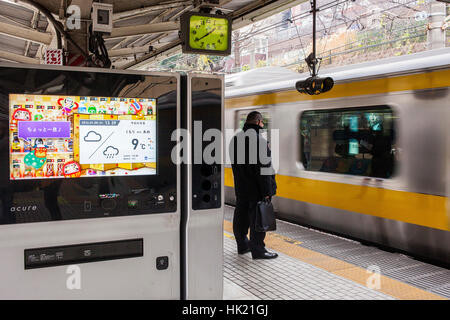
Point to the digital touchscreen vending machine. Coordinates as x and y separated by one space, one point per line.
90 198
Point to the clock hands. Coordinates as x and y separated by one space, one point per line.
198 39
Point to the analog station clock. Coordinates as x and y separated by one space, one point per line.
206 33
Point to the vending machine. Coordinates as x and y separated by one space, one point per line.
90 197
203 188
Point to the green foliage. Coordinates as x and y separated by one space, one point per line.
387 32
171 62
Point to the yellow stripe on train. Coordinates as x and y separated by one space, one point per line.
436 79
421 209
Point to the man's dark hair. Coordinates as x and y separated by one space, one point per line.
254 117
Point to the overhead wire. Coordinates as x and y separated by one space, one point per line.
298 35
306 14
331 26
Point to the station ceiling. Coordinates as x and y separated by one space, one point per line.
25 30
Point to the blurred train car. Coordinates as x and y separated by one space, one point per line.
370 159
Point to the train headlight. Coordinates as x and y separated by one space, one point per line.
314 85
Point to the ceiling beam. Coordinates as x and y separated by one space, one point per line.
178 14
34 22
17 57
144 29
23 24
158 18
137 38
224 2
143 60
25 33
143 11
128 51
121 42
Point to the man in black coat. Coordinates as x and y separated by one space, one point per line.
254 180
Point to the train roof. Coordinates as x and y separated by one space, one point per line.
270 79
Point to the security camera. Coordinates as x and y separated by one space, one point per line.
314 85
102 17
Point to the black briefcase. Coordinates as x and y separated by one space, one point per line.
265 217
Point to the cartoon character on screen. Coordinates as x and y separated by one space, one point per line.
37 157
38 116
112 109
102 109
72 170
38 142
68 105
135 108
20 114
92 110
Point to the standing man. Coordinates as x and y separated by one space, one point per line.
254 180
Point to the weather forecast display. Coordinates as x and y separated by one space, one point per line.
73 136
113 141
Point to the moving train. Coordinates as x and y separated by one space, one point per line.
369 159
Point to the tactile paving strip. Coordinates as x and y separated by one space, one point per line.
397 266
287 278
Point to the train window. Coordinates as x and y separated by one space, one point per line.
242 116
356 141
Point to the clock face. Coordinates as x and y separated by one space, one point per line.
208 33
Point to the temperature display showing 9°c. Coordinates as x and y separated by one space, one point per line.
142 146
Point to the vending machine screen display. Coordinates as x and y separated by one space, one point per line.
82 143
55 136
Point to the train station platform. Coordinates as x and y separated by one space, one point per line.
314 265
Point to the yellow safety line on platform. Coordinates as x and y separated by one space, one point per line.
394 288
284 238
226 234
421 209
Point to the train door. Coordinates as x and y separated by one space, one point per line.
89 194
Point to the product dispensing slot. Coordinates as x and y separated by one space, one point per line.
83 253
